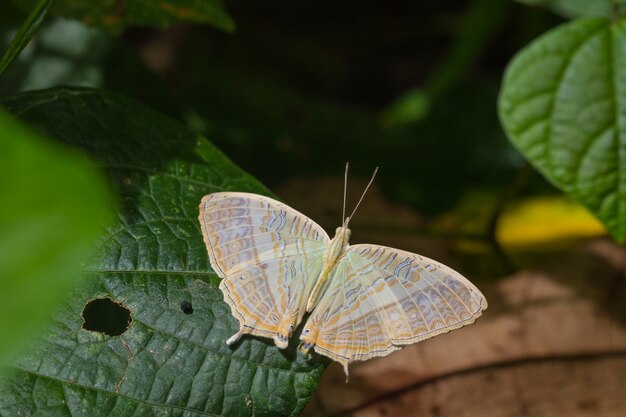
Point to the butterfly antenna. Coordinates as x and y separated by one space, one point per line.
365 191
345 187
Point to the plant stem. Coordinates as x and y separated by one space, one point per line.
28 29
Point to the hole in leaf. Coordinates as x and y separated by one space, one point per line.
106 316
186 307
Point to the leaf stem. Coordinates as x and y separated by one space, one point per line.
28 29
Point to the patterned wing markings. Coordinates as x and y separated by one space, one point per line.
374 299
389 298
348 322
237 227
269 256
269 300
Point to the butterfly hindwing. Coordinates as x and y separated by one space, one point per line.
381 298
268 256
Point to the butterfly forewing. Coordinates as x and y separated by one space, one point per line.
268 255
384 298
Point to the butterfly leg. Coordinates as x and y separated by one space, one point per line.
243 330
235 337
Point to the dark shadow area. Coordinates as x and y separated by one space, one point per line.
596 271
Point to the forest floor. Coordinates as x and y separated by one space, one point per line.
552 343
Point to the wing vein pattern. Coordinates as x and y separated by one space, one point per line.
390 298
268 256
369 300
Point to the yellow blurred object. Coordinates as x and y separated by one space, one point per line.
539 220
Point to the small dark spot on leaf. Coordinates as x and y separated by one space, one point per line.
106 316
186 307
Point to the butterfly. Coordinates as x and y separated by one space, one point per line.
364 300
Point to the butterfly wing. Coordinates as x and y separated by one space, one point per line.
382 298
269 256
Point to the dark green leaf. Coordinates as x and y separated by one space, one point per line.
25 33
116 15
152 259
563 105
575 8
53 207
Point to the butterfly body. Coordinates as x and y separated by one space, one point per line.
336 250
364 300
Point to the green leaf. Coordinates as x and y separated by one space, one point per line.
411 107
25 33
575 8
152 259
116 15
53 207
563 105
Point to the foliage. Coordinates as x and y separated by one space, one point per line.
54 204
26 32
562 104
150 260
575 8
115 15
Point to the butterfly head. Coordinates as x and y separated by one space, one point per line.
343 230
341 239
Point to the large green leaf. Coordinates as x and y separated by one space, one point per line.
119 14
152 259
54 203
563 105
